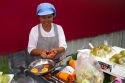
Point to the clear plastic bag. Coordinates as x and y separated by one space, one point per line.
88 70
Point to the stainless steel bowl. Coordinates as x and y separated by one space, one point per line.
40 63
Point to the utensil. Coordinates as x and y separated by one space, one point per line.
39 64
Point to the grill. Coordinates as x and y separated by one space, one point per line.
52 79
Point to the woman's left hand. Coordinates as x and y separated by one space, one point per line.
44 53
52 54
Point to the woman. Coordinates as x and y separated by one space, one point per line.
47 40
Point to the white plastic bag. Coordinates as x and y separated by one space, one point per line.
88 69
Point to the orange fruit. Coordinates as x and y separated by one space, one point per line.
72 63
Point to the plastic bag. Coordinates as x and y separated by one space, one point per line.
88 70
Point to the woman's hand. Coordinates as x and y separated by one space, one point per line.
49 54
52 53
54 50
44 53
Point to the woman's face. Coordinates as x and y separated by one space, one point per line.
46 19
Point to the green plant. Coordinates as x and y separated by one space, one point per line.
4 65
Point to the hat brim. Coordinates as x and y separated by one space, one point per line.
45 13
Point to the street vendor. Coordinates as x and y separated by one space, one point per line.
47 39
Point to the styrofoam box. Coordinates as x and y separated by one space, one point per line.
116 70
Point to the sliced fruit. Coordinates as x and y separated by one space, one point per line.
34 70
44 70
